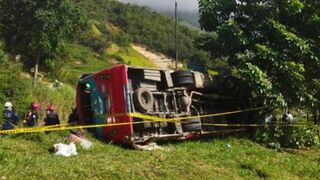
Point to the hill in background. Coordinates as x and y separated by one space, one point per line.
188 10
113 28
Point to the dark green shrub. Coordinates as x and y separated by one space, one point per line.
3 57
289 136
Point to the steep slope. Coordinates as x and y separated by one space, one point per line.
160 60
139 25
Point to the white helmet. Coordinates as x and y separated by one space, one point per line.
8 104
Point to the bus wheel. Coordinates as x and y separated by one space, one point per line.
182 78
143 99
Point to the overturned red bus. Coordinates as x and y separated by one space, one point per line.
123 89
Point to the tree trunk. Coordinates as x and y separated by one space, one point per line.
35 77
315 115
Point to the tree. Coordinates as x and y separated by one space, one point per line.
36 30
274 45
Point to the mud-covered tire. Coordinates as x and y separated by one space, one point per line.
192 125
182 78
143 99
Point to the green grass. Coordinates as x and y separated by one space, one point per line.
80 60
83 60
132 57
27 157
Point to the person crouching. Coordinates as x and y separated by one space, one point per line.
32 116
52 117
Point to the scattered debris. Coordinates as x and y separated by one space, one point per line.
79 137
274 145
229 147
148 147
65 150
56 85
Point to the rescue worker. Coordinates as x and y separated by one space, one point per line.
32 116
10 116
73 117
51 117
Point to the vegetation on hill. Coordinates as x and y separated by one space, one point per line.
37 30
110 23
142 26
189 17
16 87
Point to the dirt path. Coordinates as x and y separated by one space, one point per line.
160 60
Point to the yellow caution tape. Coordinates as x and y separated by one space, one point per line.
144 116
258 125
61 127
45 129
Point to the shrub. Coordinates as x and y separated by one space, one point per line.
3 57
289 137
14 87
63 98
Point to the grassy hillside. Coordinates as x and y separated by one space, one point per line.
27 156
82 59
141 25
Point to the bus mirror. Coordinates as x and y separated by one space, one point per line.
87 87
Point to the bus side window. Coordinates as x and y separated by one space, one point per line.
106 101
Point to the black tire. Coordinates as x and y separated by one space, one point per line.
143 99
192 125
183 78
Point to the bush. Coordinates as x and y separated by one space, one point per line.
289 137
121 39
3 57
14 87
63 98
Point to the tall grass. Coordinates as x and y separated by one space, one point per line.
62 97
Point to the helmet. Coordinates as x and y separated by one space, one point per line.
8 104
35 105
51 107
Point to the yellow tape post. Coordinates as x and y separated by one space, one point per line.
136 115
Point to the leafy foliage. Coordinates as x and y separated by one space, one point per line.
14 87
3 56
274 45
293 137
37 29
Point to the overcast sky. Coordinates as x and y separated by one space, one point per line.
167 5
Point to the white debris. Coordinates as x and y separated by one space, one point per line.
148 147
65 150
85 144
229 147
